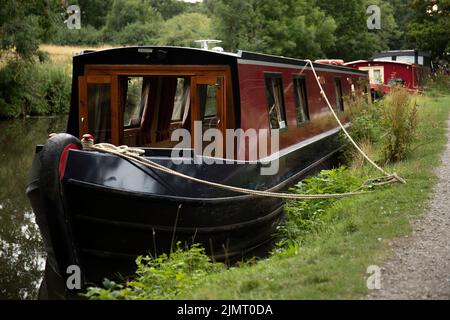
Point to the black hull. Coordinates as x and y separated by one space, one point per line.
107 211
118 226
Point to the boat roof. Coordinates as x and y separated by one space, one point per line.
410 52
378 62
172 55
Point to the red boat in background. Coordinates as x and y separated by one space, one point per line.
408 68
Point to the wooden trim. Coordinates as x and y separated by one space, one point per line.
115 111
220 101
159 70
97 79
82 106
112 73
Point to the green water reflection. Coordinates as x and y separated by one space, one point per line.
21 250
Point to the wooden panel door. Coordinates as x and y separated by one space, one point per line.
99 108
208 105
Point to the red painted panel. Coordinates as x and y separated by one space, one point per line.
254 109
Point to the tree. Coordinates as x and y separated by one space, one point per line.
93 12
169 8
403 15
295 28
132 22
353 39
184 29
24 24
430 28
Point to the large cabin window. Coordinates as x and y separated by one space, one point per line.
339 97
143 106
275 101
99 111
154 106
301 101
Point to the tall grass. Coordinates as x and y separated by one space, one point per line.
399 120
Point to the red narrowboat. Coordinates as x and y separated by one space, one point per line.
100 211
408 68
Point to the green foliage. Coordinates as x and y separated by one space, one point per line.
306 216
27 89
294 28
353 39
162 277
24 25
184 29
428 29
93 12
365 120
169 8
132 22
437 84
399 118
135 34
87 35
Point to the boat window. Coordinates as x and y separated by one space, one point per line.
339 98
208 105
275 101
301 106
136 95
182 100
99 111
377 76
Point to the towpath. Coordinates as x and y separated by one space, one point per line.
420 265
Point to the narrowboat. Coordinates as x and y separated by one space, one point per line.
99 211
407 68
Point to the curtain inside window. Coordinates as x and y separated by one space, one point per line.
168 89
99 111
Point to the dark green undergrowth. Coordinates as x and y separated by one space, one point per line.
28 88
326 245
161 277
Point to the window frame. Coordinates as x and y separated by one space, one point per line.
339 106
295 79
141 110
278 76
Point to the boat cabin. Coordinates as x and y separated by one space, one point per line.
139 95
408 68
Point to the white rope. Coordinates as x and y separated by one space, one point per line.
393 175
132 154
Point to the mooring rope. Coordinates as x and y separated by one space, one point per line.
391 177
135 155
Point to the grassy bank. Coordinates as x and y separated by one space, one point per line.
328 245
331 262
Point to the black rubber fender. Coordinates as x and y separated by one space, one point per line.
51 153
52 198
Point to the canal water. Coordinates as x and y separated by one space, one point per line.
22 256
